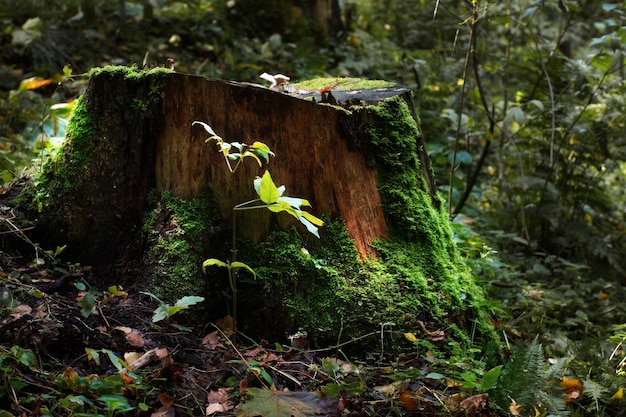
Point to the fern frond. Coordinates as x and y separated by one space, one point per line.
530 381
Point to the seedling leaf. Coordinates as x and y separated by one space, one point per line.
206 127
244 266
267 190
213 261
189 300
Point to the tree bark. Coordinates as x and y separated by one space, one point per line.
143 138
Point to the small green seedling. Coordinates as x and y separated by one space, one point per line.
165 311
270 197
236 151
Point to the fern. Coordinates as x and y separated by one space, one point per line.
530 382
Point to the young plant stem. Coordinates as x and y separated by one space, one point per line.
232 275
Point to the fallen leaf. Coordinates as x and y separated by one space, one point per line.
573 389
476 405
618 395
514 409
165 399
410 337
212 341
409 400
252 353
273 403
133 336
164 412
226 324
20 311
218 401
130 357
213 408
161 353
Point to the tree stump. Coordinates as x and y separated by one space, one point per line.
354 151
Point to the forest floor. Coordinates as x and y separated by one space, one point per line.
70 349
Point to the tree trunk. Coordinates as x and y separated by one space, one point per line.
143 138
136 180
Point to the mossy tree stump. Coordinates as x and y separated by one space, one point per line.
354 151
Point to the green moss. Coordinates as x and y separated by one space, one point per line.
418 277
179 237
64 170
342 84
131 73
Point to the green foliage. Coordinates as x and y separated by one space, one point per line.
528 381
32 124
166 311
235 151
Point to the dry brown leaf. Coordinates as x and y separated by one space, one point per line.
212 341
254 352
164 412
165 399
409 400
271 357
20 311
218 401
130 357
476 405
433 336
573 389
213 408
219 396
161 352
226 324
514 409
453 402
133 336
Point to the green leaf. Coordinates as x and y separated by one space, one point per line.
161 313
87 304
490 378
67 71
116 361
213 261
117 403
206 127
332 390
273 403
244 266
93 355
189 300
171 310
24 356
316 221
262 150
267 190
